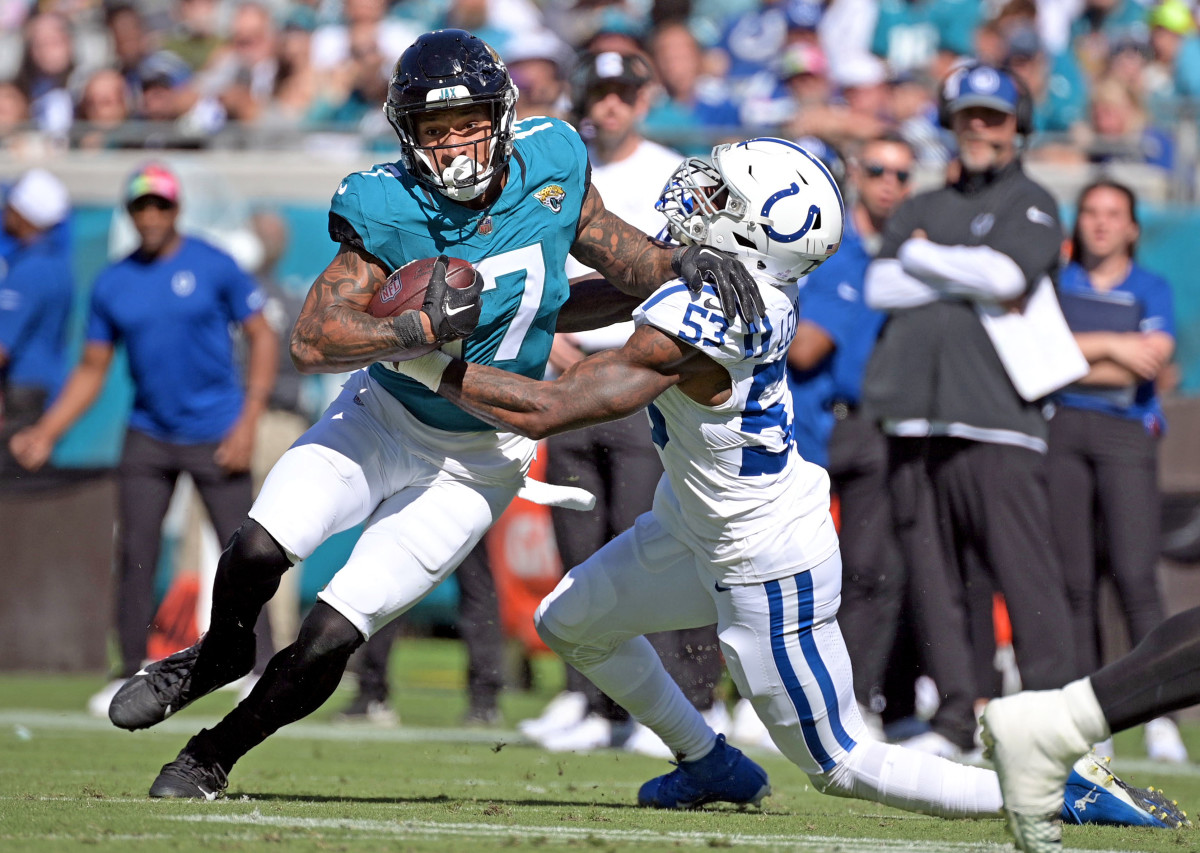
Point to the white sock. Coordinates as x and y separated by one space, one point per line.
915 781
634 677
1085 710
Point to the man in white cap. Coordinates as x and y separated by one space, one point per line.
36 288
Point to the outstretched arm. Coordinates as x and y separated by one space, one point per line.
637 264
603 387
593 303
333 333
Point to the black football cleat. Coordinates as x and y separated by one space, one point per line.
165 687
190 777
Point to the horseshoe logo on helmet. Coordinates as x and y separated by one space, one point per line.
813 213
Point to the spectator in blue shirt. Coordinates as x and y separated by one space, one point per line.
171 304
834 339
36 289
1103 448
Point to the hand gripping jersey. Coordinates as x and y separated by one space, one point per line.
735 488
519 245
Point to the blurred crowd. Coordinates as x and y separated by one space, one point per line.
1110 78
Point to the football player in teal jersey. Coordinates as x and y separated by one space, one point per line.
513 199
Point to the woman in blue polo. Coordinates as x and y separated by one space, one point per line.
1103 452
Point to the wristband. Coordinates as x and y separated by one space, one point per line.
426 369
409 331
677 260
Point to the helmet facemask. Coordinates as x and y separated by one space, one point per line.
466 178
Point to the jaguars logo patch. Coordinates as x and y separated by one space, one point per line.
551 196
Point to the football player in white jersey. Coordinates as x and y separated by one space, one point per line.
740 533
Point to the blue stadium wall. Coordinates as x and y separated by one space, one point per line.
1168 238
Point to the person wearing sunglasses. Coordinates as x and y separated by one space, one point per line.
170 304
965 431
834 338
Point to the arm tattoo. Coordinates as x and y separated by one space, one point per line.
334 333
633 261
602 387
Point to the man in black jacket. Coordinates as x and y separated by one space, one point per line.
966 450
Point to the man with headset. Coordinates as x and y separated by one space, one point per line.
966 451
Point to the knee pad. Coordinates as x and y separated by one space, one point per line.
572 612
253 550
326 634
575 648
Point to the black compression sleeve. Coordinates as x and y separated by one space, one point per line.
1160 675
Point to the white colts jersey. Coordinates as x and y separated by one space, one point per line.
735 489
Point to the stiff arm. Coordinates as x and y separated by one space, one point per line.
606 386
632 260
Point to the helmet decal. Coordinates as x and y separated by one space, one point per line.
813 213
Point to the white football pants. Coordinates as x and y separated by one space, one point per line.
784 651
427 497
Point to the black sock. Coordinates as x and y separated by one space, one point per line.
297 681
248 575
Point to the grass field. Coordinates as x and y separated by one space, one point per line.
72 782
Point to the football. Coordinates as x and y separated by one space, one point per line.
405 289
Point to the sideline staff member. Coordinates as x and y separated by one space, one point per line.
170 304
36 289
966 451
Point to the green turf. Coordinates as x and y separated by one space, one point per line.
69 782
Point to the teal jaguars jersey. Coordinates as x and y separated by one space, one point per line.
519 246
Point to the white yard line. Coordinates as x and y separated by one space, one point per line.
33 719
573 835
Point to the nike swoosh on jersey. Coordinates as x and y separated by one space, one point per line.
341 190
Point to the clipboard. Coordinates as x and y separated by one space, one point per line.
1036 345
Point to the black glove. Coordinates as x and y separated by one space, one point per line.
453 311
735 287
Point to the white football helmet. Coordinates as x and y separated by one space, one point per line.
765 200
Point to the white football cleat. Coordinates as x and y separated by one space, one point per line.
644 741
98 702
1033 743
718 718
591 733
566 709
747 728
1163 742
932 743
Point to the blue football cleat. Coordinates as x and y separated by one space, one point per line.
725 775
1094 795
